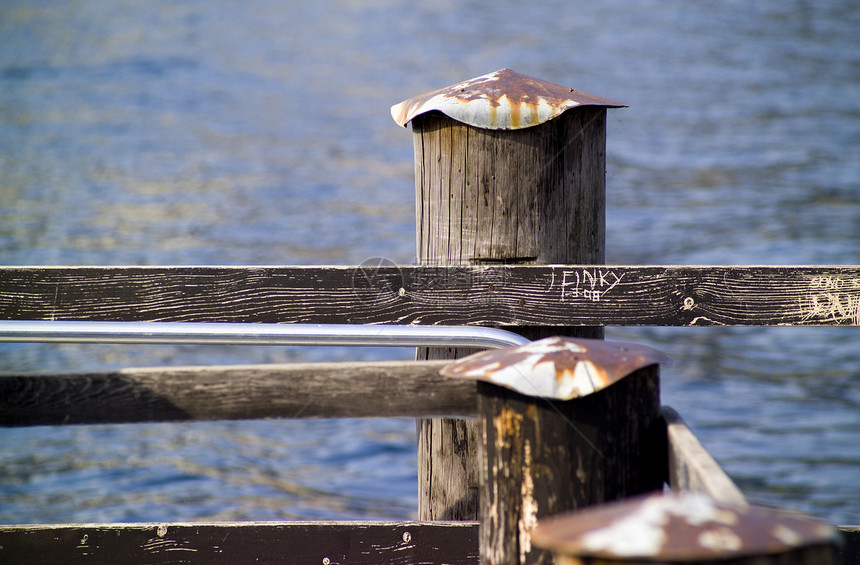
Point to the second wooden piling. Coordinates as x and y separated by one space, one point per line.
564 424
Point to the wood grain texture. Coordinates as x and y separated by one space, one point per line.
539 458
298 543
446 231
504 295
691 467
534 195
448 477
388 389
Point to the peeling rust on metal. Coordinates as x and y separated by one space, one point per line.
557 367
500 100
679 526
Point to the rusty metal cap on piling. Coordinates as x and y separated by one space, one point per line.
678 527
500 100
557 367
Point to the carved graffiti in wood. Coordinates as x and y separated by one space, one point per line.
588 284
833 298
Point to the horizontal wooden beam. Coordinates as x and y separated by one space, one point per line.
300 543
691 467
170 394
332 543
506 295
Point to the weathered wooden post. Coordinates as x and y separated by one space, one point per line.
508 170
686 528
564 424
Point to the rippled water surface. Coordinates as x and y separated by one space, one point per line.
153 133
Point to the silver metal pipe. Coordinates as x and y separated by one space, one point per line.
256 334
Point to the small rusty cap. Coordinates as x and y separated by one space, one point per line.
557 367
679 526
500 100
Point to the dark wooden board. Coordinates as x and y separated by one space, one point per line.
850 550
387 389
317 543
566 295
261 543
692 467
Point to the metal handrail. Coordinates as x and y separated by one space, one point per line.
232 333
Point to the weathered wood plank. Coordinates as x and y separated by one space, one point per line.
691 467
170 394
319 543
561 295
249 542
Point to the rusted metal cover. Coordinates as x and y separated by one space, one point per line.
679 526
501 100
557 367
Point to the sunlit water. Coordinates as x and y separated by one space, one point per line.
148 133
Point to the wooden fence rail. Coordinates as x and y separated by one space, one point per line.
333 543
387 389
299 543
508 295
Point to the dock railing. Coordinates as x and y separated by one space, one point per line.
510 228
558 295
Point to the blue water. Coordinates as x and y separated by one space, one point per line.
154 133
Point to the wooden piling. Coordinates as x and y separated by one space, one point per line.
500 192
564 424
545 457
